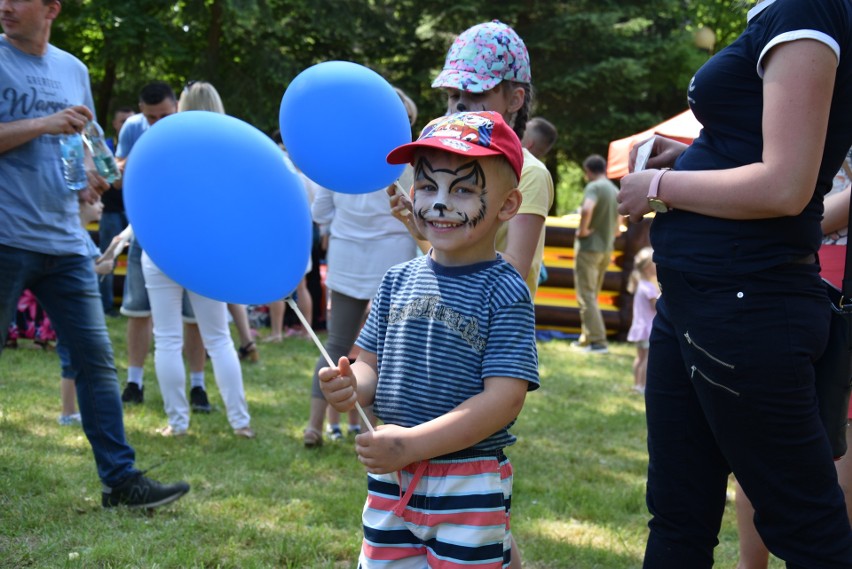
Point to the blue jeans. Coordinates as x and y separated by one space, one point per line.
67 289
731 388
65 368
110 225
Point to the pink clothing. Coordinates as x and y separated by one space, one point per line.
644 311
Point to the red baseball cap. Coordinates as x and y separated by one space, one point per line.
481 133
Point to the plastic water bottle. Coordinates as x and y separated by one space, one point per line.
101 154
73 165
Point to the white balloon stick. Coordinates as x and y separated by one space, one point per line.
306 326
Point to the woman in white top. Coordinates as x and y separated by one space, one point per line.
212 315
365 240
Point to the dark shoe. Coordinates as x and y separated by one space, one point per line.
334 433
249 352
198 400
141 492
133 394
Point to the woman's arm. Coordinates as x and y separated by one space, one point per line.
521 241
322 208
797 88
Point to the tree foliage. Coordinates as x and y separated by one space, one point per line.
601 69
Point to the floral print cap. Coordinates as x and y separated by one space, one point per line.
483 56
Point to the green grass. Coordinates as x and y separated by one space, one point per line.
579 473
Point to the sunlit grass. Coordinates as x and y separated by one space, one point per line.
580 468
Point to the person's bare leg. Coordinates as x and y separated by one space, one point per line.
355 422
304 302
313 433
139 334
68 393
516 555
248 349
753 553
276 321
193 348
241 322
333 416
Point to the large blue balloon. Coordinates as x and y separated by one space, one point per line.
339 120
214 205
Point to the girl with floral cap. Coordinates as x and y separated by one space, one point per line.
488 69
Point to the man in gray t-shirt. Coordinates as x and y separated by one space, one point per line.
593 247
43 248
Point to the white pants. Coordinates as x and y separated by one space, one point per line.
165 297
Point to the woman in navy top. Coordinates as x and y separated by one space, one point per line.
743 314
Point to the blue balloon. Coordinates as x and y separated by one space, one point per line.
339 120
215 206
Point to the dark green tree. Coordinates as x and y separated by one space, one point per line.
602 70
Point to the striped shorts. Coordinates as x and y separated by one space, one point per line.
449 512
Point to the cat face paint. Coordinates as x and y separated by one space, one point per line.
447 197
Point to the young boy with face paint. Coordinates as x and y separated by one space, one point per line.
447 356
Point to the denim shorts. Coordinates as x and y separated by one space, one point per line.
134 302
68 371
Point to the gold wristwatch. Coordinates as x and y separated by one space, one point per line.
655 203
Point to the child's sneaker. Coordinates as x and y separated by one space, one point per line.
198 400
70 420
133 394
354 430
334 432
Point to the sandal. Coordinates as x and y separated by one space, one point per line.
249 352
312 438
245 432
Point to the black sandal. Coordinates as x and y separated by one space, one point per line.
249 352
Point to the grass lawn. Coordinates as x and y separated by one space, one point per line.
579 473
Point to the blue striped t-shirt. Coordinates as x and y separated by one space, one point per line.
439 332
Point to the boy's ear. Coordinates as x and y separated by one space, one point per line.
511 205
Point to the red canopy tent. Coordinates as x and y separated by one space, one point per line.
683 127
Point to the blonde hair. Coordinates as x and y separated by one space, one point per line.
643 258
410 107
200 96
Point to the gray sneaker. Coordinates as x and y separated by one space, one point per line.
70 420
137 491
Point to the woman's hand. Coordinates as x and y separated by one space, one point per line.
401 208
664 152
633 195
